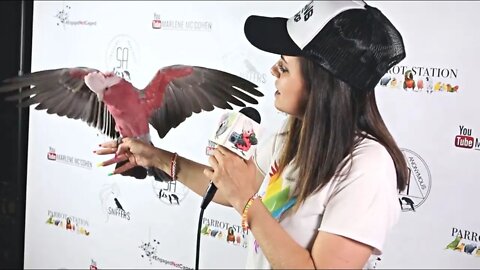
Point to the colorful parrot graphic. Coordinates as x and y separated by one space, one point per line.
454 243
384 81
244 140
118 109
469 248
409 83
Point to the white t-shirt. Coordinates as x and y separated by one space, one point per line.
362 206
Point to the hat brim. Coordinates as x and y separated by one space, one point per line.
270 35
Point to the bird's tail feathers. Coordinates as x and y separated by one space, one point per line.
138 172
159 175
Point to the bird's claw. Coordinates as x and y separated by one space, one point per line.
119 140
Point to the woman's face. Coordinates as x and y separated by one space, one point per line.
291 95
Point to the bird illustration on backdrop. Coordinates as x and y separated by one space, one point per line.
452 245
118 204
118 109
409 82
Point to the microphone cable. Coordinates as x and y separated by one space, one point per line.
211 189
197 250
254 115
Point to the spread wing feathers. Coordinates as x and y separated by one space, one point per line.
62 92
204 89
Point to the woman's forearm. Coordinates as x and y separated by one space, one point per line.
189 173
277 245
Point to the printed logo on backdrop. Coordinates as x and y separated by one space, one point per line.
123 56
464 139
421 79
170 192
419 182
150 251
231 234
112 204
63 18
69 160
180 25
93 265
244 67
68 222
464 241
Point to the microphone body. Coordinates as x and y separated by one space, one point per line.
236 131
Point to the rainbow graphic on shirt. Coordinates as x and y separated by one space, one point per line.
277 196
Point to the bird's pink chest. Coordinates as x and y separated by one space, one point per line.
127 109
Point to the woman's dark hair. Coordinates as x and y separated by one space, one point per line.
336 118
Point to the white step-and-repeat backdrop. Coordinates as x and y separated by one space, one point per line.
78 217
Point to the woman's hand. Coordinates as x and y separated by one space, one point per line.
233 175
137 152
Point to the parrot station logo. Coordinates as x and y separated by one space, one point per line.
69 160
170 192
419 182
123 56
63 18
421 79
180 25
68 222
464 139
465 241
232 234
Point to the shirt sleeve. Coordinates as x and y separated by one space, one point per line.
364 206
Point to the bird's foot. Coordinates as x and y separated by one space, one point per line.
119 140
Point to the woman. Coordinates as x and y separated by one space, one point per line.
322 193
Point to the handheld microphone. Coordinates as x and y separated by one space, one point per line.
238 133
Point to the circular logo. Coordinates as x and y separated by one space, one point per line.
107 195
419 182
123 56
170 192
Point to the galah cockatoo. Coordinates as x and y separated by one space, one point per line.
118 109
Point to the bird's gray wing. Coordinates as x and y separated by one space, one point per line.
202 90
62 92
